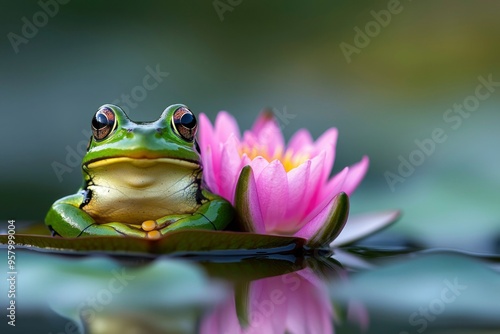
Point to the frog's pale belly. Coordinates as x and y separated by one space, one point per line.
134 190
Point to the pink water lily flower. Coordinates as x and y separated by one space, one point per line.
277 188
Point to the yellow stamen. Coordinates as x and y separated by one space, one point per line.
289 159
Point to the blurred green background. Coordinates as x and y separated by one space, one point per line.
242 56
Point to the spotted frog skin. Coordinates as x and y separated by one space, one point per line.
140 179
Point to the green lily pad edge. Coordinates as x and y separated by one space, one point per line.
181 242
196 241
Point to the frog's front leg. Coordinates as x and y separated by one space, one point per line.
215 213
66 219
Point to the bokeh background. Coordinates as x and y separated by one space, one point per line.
247 55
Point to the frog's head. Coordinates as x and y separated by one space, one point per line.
117 139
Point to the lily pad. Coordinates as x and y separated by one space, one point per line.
185 242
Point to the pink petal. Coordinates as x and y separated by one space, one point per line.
261 321
314 223
333 187
258 164
313 189
356 174
327 142
272 185
268 133
320 310
317 165
326 167
230 168
206 136
298 309
360 226
300 140
264 117
222 319
225 126
250 139
298 179
310 308
209 172
210 153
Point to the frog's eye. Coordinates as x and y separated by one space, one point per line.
103 123
184 123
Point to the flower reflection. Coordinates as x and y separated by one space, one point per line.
297 302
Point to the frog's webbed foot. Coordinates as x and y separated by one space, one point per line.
66 219
154 229
115 228
157 228
214 214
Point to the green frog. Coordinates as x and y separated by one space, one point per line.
140 179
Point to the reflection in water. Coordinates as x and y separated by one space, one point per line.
296 302
260 294
271 294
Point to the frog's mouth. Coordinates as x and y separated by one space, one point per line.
142 162
141 173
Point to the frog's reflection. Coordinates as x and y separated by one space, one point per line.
294 302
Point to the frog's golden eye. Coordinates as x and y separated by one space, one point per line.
103 123
184 123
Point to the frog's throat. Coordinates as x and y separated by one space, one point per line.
131 190
143 162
